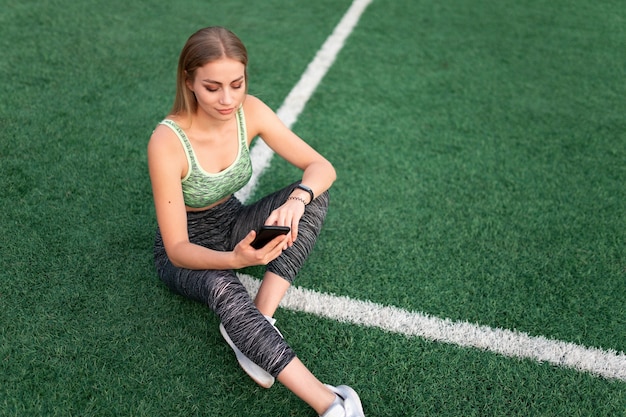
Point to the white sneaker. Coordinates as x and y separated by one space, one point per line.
347 403
336 409
258 374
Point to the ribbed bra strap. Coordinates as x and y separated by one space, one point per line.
241 124
191 160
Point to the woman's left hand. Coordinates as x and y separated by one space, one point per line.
289 214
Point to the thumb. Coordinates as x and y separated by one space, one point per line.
249 237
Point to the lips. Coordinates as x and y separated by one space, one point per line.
225 112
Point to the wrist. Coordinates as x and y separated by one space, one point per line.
233 260
307 190
236 261
300 199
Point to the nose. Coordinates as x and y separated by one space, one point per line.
226 97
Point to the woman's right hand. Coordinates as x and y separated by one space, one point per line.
249 256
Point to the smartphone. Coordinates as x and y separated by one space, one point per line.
267 233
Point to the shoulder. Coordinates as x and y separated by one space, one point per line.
259 116
163 142
161 136
164 133
253 105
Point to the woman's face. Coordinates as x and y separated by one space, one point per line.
219 87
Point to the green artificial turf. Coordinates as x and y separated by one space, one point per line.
480 150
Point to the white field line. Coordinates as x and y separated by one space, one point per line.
293 105
608 364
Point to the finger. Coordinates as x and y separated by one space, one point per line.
288 220
295 222
272 220
249 237
293 233
282 219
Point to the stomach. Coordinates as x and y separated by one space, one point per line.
217 203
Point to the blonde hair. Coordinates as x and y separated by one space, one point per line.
206 45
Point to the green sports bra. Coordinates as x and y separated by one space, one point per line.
201 188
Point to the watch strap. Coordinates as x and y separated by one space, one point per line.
308 190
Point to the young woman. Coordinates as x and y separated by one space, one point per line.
198 158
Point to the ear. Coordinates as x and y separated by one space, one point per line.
188 82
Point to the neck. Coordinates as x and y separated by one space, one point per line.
201 121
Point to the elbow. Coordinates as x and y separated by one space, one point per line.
173 259
332 173
176 263
174 255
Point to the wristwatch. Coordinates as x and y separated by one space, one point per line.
308 190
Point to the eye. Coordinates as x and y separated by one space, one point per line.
237 86
212 88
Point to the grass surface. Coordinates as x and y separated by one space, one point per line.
489 167
480 148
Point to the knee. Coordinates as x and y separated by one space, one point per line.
319 206
315 214
227 291
322 200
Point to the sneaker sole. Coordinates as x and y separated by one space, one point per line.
254 371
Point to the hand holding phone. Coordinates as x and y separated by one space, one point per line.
267 233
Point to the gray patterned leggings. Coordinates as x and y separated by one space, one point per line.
221 228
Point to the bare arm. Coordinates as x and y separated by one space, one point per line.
318 173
